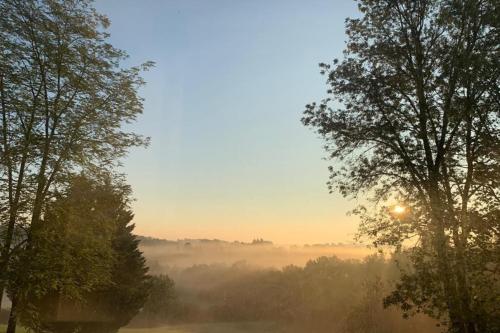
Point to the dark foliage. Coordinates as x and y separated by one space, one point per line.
87 271
412 117
162 305
327 295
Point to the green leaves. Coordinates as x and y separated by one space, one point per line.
84 254
64 100
65 97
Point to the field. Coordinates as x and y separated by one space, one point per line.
3 328
244 327
197 328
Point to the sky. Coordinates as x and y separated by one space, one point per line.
229 157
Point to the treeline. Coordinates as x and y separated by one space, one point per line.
164 254
326 295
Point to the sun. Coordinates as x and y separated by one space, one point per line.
398 209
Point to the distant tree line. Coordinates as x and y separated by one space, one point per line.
326 295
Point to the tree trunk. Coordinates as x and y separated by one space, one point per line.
443 261
11 326
5 254
2 288
452 277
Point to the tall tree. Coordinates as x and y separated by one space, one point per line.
70 252
412 117
85 258
63 101
129 287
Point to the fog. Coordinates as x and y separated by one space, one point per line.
306 288
165 255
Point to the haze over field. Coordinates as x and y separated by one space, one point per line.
265 287
163 255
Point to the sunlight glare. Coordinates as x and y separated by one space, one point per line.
398 209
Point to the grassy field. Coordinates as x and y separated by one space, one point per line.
209 328
197 328
3 328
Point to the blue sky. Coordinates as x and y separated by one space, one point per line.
229 157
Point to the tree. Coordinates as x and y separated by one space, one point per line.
162 303
86 258
412 117
63 101
130 287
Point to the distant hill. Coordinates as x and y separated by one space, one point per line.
151 241
163 254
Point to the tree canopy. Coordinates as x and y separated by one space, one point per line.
412 118
84 256
64 100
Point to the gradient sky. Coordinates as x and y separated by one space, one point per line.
229 158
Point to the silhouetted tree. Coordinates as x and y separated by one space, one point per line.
129 286
413 117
